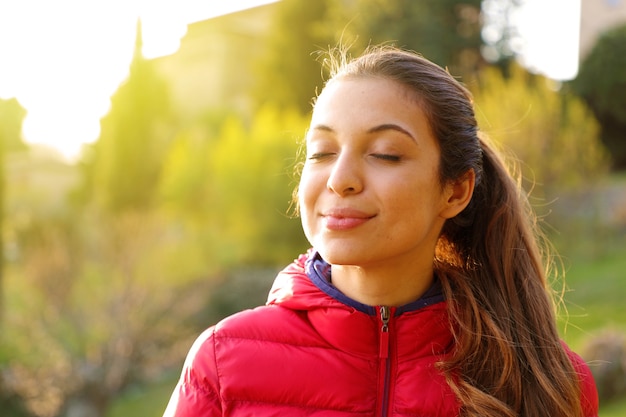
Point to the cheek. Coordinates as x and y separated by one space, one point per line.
303 192
306 198
307 189
410 198
305 206
310 188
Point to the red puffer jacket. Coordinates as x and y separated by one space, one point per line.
313 352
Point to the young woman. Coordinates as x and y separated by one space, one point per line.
424 293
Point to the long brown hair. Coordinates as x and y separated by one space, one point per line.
508 359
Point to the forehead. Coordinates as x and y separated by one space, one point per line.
372 83
365 99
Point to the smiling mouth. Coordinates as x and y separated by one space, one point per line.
345 219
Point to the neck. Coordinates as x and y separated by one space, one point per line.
376 287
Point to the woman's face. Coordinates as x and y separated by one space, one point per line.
370 190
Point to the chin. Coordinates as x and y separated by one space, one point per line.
341 255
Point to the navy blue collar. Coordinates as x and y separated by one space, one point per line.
319 272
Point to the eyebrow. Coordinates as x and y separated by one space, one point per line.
376 129
390 126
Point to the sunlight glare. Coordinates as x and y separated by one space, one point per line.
551 30
63 60
66 60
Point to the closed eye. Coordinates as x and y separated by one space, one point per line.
387 157
319 156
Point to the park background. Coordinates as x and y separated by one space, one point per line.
178 214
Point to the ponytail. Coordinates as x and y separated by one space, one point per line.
491 267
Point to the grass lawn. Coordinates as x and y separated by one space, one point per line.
595 300
615 409
149 401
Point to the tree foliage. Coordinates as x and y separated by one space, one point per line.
94 310
288 75
236 187
11 118
553 134
123 166
601 81
445 31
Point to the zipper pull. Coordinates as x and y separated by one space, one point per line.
384 332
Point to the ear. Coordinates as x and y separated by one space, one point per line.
457 194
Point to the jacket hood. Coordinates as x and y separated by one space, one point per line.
293 289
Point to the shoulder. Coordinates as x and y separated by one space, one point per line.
247 324
265 324
202 365
248 321
197 391
244 332
589 393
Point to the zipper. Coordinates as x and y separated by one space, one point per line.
384 332
385 360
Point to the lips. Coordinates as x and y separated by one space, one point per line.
345 218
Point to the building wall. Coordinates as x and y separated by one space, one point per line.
597 16
213 67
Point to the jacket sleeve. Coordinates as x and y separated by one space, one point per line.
197 391
588 390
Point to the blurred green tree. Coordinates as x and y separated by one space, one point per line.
253 168
288 74
447 32
601 81
11 118
554 135
122 168
235 188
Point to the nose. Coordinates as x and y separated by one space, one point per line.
346 175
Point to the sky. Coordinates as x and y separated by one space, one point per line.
63 59
551 31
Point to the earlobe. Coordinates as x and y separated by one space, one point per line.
458 194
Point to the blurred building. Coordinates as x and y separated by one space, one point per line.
597 16
213 66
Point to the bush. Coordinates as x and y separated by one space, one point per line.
601 82
12 405
553 133
606 355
